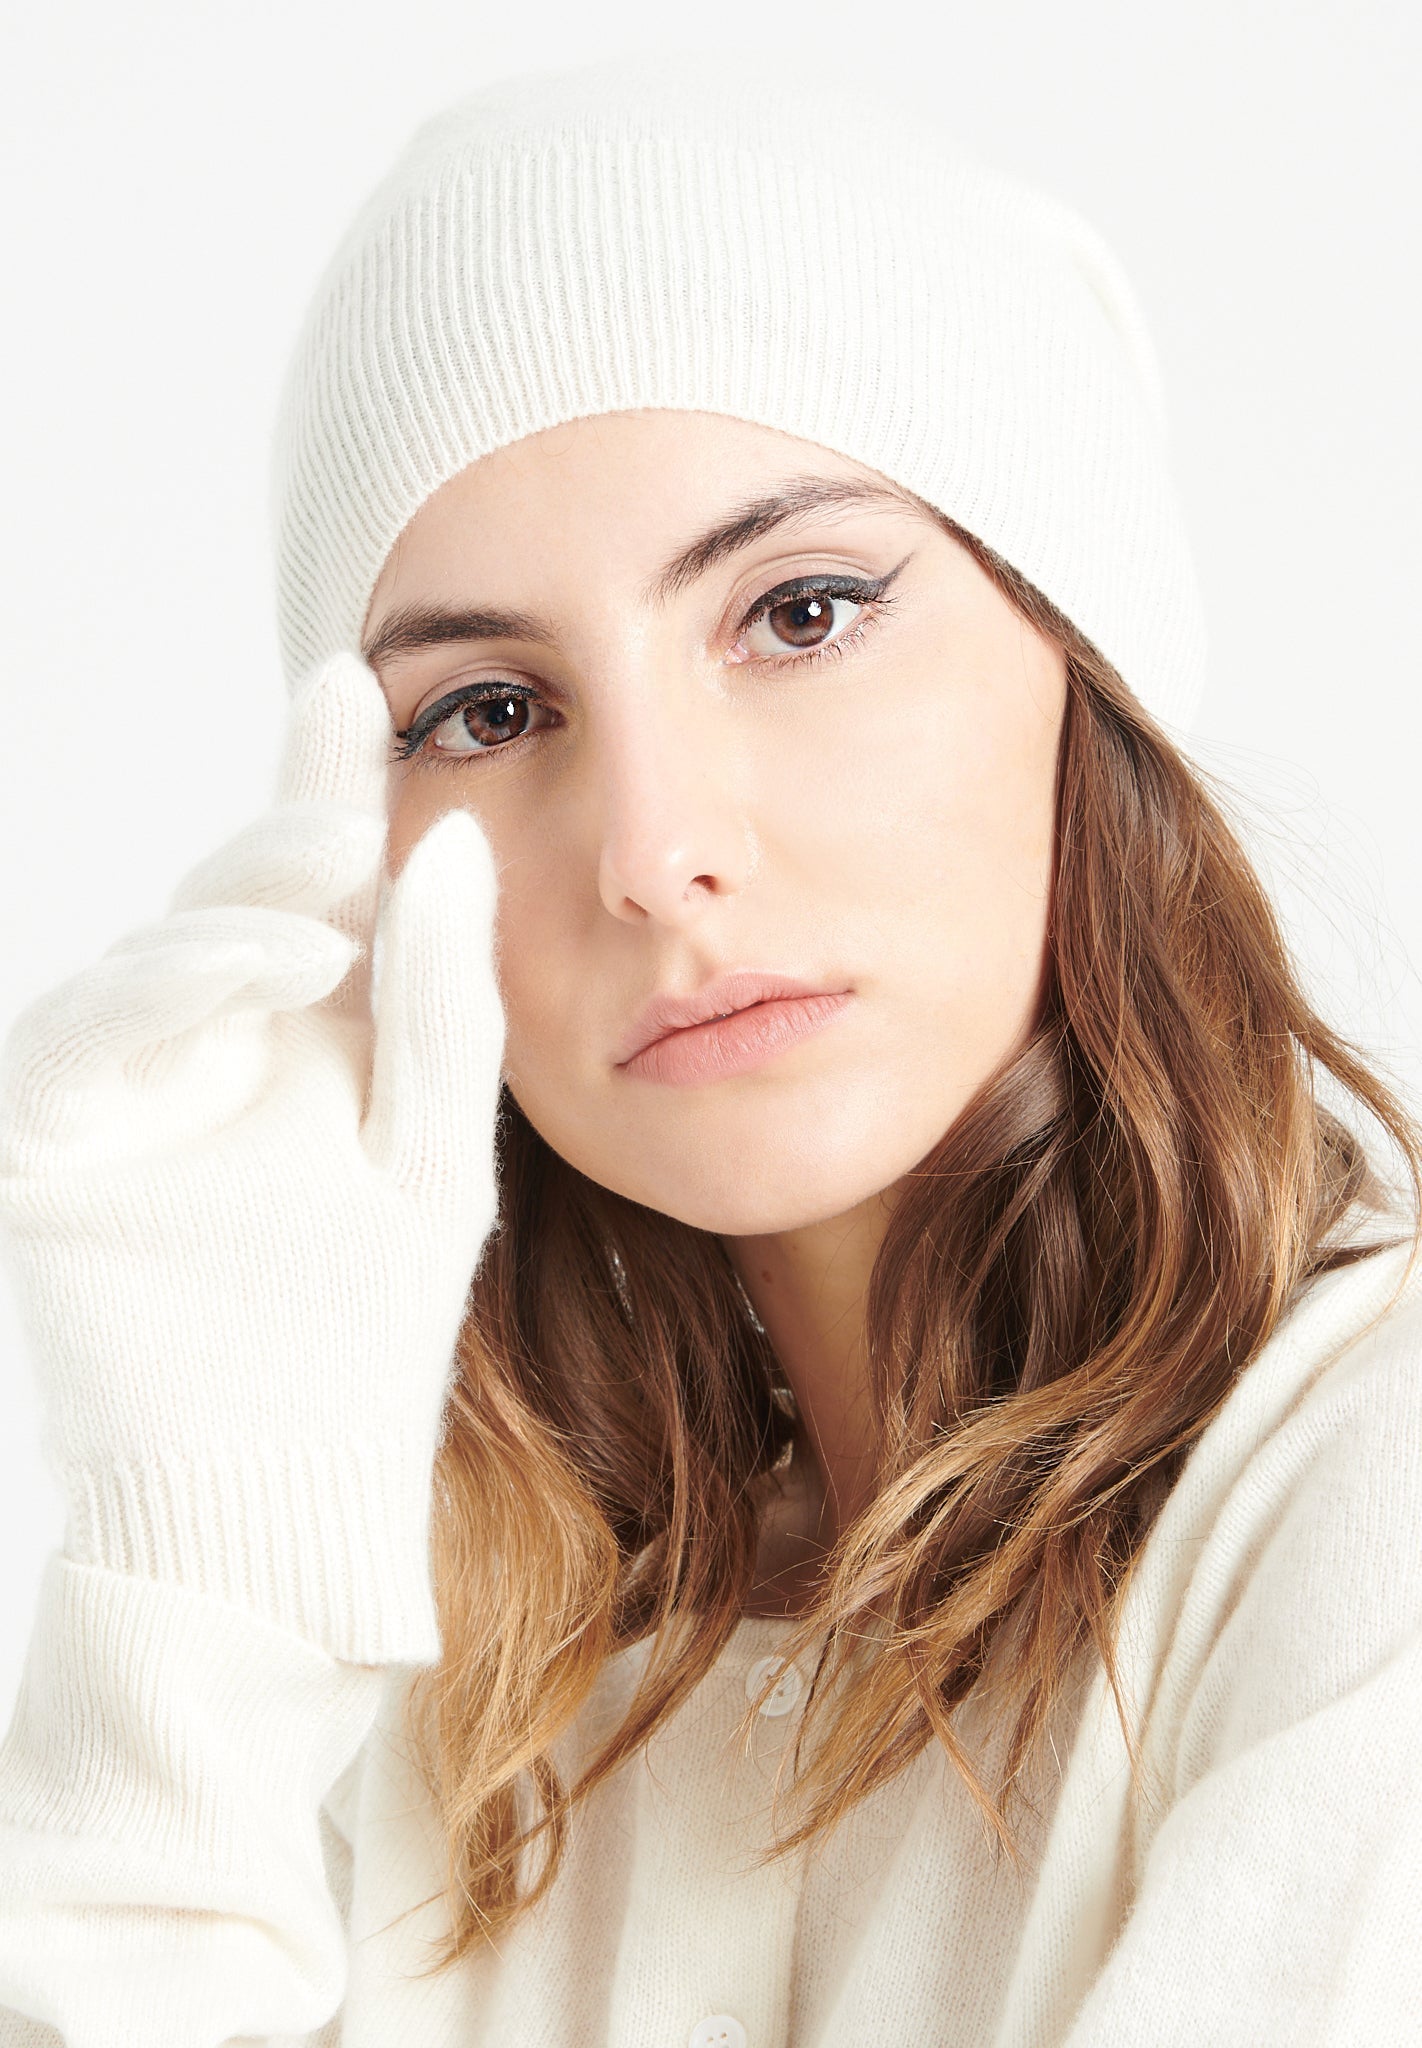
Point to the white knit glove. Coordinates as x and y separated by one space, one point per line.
243 1217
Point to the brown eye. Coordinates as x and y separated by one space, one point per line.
803 621
471 722
484 723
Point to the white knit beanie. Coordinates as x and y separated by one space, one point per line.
652 232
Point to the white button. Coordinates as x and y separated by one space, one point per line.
720 2031
783 1698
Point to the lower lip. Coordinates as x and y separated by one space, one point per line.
735 1044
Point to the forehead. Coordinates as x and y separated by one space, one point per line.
677 494
653 470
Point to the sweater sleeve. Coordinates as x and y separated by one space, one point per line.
165 1868
1278 1899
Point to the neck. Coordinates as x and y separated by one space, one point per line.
809 1287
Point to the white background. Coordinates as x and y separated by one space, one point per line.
175 176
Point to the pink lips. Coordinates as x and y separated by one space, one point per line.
733 1024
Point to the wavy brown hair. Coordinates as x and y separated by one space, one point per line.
1070 1285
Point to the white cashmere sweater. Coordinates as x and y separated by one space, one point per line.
208 1834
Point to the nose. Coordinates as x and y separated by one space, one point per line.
675 828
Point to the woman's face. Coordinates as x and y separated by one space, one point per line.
679 781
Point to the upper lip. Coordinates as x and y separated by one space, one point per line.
736 990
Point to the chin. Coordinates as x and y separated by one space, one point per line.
750 1192
753 1166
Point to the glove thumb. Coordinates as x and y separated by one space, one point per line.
439 1026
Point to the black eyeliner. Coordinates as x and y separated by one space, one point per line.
444 707
857 589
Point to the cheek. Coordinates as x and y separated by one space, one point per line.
933 815
989 894
546 1000
945 845
551 984
532 918
415 802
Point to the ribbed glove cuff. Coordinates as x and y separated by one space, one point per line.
331 1540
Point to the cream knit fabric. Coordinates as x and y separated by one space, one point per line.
241 1222
244 1278
210 1836
646 233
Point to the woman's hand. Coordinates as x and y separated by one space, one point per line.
243 1213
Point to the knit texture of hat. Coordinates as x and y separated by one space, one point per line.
647 232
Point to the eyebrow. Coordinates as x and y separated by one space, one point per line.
414 627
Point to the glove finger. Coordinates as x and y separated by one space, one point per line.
282 948
168 977
439 1026
82 1033
338 738
310 858
339 750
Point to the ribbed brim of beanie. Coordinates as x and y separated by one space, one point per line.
645 233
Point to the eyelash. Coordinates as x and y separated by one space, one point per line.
868 593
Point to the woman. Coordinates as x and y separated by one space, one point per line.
720 1376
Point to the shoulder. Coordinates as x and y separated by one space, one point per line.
1286 1569
1331 1494
1338 1384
